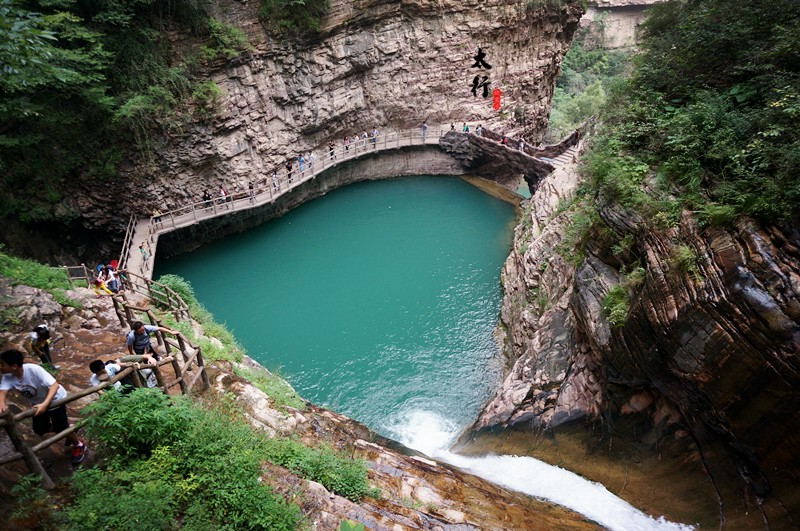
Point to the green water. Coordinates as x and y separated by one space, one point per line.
377 300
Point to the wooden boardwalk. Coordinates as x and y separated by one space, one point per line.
268 189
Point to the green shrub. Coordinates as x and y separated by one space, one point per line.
615 305
170 464
133 425
207 95
32 504
288 16
340 474
576 235
225 41
713 103
683 259
138 502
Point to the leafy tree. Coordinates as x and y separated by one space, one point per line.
713 104
82 81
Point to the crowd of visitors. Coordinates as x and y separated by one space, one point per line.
40 388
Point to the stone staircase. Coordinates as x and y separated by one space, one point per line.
568 157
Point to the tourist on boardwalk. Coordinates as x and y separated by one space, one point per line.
332 150
109 277
521 144
479 130
424 130
452 127
465 128
206 199
311 158
41 389
346 144
251 192
289 166
364 137
504 140
301 164
40 344
99 287
223 196
275 183
375 137
144 252
138 339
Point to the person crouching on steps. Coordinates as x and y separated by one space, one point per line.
41 389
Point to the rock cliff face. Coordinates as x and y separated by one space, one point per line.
385 64
611 24
706 355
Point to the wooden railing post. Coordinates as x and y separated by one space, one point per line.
201 365
33 463
159 377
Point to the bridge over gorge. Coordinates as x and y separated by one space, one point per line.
483 153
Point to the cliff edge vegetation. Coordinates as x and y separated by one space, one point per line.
655 302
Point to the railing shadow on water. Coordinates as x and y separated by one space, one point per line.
185 360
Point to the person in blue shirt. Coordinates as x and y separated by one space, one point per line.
138 339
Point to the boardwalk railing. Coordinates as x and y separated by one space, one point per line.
78 274
127 243
185 360
267 188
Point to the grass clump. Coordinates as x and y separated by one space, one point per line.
230 350
340 474
224 42
275 386
615 305
684 260
573 245
54 280
293 16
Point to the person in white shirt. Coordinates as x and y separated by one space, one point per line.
102 371
40 389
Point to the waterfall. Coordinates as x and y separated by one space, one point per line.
431 434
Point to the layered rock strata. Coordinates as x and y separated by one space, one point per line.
374 64
704 342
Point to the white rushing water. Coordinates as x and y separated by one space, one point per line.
432 435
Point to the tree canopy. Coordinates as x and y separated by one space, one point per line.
84 81
713 103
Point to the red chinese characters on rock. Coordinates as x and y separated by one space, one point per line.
496 99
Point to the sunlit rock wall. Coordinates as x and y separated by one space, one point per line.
388 65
